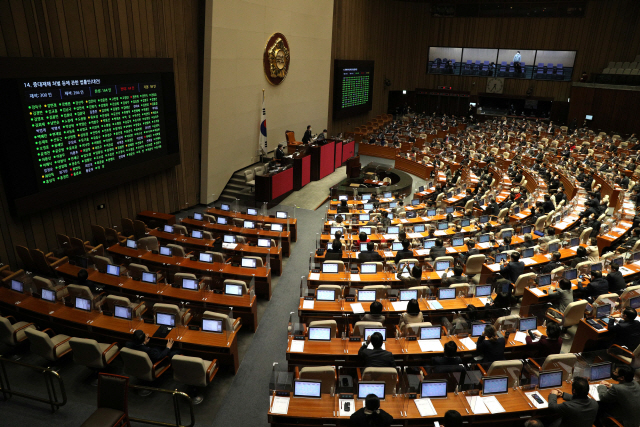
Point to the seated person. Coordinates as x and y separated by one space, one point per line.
578 410
412 315
363 238
385 221
437 250
581 256
375 313
413 279
596 287
553 264
621 400
376 357
371 414
140 342
334 251
472 250
404 253
615 279
343 208
370 254
513 269
490 346
450 358
456 278
627 332
562 296
548 344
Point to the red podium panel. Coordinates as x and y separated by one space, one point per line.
306 171
338 154
281 183
348 150
327 154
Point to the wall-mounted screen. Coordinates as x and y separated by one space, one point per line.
352 87
78 126
554 64
445 60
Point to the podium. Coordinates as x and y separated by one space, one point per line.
353 167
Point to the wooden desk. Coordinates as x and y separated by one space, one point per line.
262 275
418 169
274 254
388 152
586 337
613 235
293 222
253 234
243 306
151 217
77 323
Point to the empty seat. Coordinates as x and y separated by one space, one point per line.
182 316
326 324
12 334
326 374
137 364
137 309
113 401
93 354
51 347
194 371
228 323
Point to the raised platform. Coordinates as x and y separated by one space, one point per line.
401 182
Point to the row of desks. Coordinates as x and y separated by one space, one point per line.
291 222
78 323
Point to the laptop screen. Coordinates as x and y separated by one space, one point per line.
409 294
83 304
370 331
149 277
222 220
367 296
571 274
443 226
506 234
197 216
366 196
397 246
368 207
415 202
131 244
368 268
113 270
343 197
281 215
433 389
442 265
224 207
477 329
552 247
634 302
205 257
527 253
495 385
600 371
603 311
365 217
168 229
122 312
596 267
449 209
307 388
393 230
429 243
165 319
329 268
17 286
264 243
231 289
446 293
229 238
550 379
335 229
326 295
457 241
544 279
366 230
484 219
431 212
319 334
528 323
249 224
190 284
211 325
483 290
196 234
363 247
418 229
252 211
387 195
483 238
465 223
516 210
421 189
165 250
248 263
526 229
618 261
48 295
430 332
367 388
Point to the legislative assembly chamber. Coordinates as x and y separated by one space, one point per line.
320 213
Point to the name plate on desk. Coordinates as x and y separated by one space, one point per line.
283 393
411 338
350 299
308 298
298 337
353 339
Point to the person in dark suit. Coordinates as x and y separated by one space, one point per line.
577 410
140 342
334 252
437 250
547 206
344 207
307 135
279 152
472 250
548 344
376 357
490 346
596 287
616 280
627 332
456 278
404 253
621 400
513 269
369 255
581 256
492 207
553 264
371 414
450 357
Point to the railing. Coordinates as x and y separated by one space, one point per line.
176 407
49 376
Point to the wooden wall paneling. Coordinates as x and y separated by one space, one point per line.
32 25
89 20
21 27
62 25
74 28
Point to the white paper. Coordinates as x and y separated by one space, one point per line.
520 337
440 233
530 394
469 343
357 308
355 277
493 405
593 391
536 291
230 246
423 251
352 407
388 254
297 346
314 276
425 218
451 250
453 199
430 345
390 236
494 267
484 300
400 305
280 405
435 305
404 220
477 405
618 230
414 235
308 304
528 261
370 346
425 407
484 245
440 273
625 271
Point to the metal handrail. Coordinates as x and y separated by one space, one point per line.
176 408
49 375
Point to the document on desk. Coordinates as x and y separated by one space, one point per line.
435 305
626 271
400 305
388 254
440 233
390 236
520 337
425 407
593 391
355 277
430 345
544 403
297 346
308 304
352 407
483 300
414 235
404 220
484 245
357 308
536 291
230 246
491 402
469 343
314 276
477 405
280 405
423 251
451 250
528 261
370 346
618 230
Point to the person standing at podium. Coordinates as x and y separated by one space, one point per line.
307 135
279 152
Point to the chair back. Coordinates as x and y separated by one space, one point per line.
112 300
359 327
41 344
41 265
137 364
77 246
227 322
149 243
127 227
325 324
6 332
25 257
613 298
259 262
177 250
135 270
189 370
216 257
474 264
81 291
506 321
86 352
574 313
340 264
388 375
522 282
509 368
139 228
65 243
539 225
113 392
564 361
101 263
381 290
586 233
240 283
379 265
326 374
181 228
414 328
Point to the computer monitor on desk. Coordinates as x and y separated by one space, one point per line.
196 234
168 229
368 268
433 389
477 329
329 268
370 331
366 388
319 334
600 371
281 215
190 284
495 385
409 294
17 286
366 295
149 277
550 379
166 319
198 216
603 311
483 291
122 312
212 325
165 250
325 295
48 295
528 323
430 332
446 293
307 389
83 304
